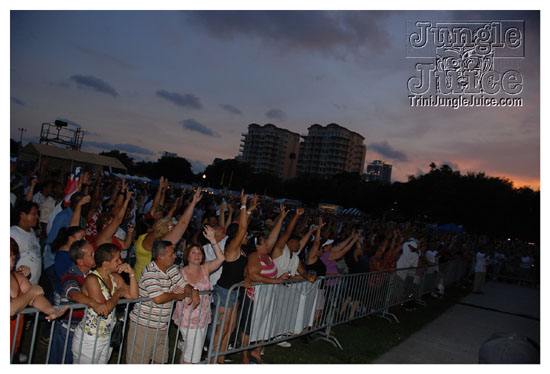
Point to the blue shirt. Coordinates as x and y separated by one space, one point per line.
62 262
63 219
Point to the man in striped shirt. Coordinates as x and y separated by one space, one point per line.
162 282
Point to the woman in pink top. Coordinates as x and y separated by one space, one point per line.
260 268
193 323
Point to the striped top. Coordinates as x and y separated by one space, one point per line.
154 282
269 270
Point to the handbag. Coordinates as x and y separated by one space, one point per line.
117 334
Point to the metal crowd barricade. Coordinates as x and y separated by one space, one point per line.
269 314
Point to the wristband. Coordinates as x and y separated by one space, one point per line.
248 212
243 207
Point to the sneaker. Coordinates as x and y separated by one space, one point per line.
262 351
284 344
23 357
227 361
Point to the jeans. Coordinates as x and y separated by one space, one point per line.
58 345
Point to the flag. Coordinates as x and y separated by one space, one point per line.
72 185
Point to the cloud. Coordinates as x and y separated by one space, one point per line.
192 125
70 122
128 148
17 101
94 83
185 101
332 31
277 114
231 109
386 150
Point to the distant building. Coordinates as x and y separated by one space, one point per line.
379 170
270 149
331 149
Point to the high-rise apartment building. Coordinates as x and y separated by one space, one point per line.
379 170
331 149
270 149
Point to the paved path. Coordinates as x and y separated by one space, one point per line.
456 336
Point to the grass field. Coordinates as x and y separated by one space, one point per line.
365 339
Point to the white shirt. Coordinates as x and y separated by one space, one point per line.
58 208
286 263
431 256
481 263
210 255
29 251
45 205
408 259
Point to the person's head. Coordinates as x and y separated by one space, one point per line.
47 188
26 214
162 227
75 198
58 191
14 253
162 252
107 256
293 244
327 245
357 250
219 232
211 219
194 254
67 236
81 253
105 219
257 243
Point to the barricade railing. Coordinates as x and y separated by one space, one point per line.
243 320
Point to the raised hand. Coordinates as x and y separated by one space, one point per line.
85 200
243 197
254 202
299 211
197 196
209 234
126 268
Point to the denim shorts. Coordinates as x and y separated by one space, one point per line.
223 296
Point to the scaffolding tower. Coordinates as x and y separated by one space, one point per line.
59 134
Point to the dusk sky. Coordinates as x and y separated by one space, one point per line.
190 82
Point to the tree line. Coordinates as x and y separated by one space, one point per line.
481 203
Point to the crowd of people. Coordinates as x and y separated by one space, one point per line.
112 239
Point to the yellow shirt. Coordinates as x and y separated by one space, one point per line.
143 256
